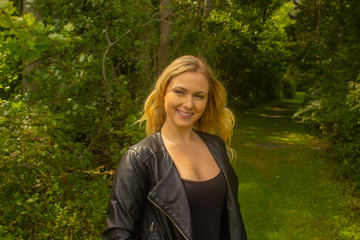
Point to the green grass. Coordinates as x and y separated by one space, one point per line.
288 187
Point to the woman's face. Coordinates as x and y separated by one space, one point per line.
185 99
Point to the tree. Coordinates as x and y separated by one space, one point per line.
30 64
165 31
207 8
326 54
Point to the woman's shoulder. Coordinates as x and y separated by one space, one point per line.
151 144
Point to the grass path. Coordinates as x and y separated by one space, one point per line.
288 189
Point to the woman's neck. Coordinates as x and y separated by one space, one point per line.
177 135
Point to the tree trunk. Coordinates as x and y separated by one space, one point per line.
198 9
31 64
165 31
207 8
265 12
319 17
21 7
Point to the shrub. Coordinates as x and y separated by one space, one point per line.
48 189
335 116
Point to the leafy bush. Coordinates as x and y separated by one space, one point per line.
61 138
48 187
23 41
327 60
337 122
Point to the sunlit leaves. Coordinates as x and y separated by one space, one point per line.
69 27
60 38
4 4
353 98
24 40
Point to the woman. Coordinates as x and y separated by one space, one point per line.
178 183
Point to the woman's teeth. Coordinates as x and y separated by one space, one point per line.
185 114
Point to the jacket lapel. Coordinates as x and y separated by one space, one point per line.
217 153
169 196
220 155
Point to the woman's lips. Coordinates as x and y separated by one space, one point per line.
184 114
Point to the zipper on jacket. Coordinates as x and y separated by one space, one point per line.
150 232
152 227
169 218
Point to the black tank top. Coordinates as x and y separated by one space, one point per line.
206 201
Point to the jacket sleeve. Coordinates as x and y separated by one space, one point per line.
127 198
236 223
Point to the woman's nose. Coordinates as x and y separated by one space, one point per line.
188 102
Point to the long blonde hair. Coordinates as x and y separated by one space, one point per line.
216 119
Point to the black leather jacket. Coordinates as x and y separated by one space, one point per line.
148 200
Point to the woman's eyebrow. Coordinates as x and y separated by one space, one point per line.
184 89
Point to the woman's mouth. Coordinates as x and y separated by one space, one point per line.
184 114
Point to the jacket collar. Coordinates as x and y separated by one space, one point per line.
169 191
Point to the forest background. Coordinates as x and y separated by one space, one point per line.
74 76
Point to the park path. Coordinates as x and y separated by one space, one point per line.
289 187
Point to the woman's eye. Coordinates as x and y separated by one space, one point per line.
199 96
179 92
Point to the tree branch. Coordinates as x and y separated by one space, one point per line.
107 85
19 70
110 44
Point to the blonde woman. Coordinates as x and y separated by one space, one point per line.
178 183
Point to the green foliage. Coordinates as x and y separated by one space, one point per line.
60 143
95 83
46 187
353 97
66 120
23 40
252 51
288 88
327 59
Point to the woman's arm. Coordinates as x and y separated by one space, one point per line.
127 198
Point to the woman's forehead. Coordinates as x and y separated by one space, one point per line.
190 80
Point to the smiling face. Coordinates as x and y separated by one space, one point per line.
185 100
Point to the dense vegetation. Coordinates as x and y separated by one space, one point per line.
74 75
327 60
